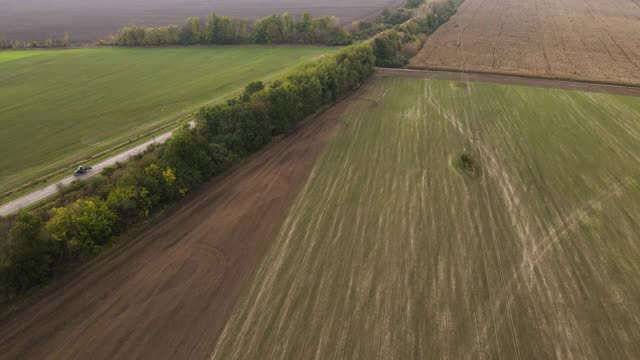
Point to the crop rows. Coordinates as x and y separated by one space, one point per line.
593 40
394 251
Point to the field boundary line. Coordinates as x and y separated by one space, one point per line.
518 79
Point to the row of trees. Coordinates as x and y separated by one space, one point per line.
89 215
48 43
274 29
435 14
395 47
395 16
388 18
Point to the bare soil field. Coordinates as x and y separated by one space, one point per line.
393 250
90 20
168 293
593 40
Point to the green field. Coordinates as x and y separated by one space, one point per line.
394 251
15 55
58 107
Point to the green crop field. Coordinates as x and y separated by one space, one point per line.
15 55
393 250
58 107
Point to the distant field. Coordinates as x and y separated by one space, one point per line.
393 251
595 40
59 107
95 19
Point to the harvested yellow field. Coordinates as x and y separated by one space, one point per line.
589 40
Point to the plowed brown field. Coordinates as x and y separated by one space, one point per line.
168 293
591 40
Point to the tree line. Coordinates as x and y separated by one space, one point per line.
393 48
413 11
51 42
88 216
274 29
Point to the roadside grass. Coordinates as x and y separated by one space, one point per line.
62 107
392 251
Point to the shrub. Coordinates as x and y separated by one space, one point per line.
467 161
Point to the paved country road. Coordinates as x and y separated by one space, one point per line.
50 190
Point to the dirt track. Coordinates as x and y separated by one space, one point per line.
168 293
513 80
595 40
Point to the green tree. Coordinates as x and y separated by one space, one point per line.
130 36
161 183
243 31
28 257
288 28
191 32
337 36
306 85
82 228
235 125
274 33
387 50
304 29
282 107
130 204
226 32
211 29
221 158
188 153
